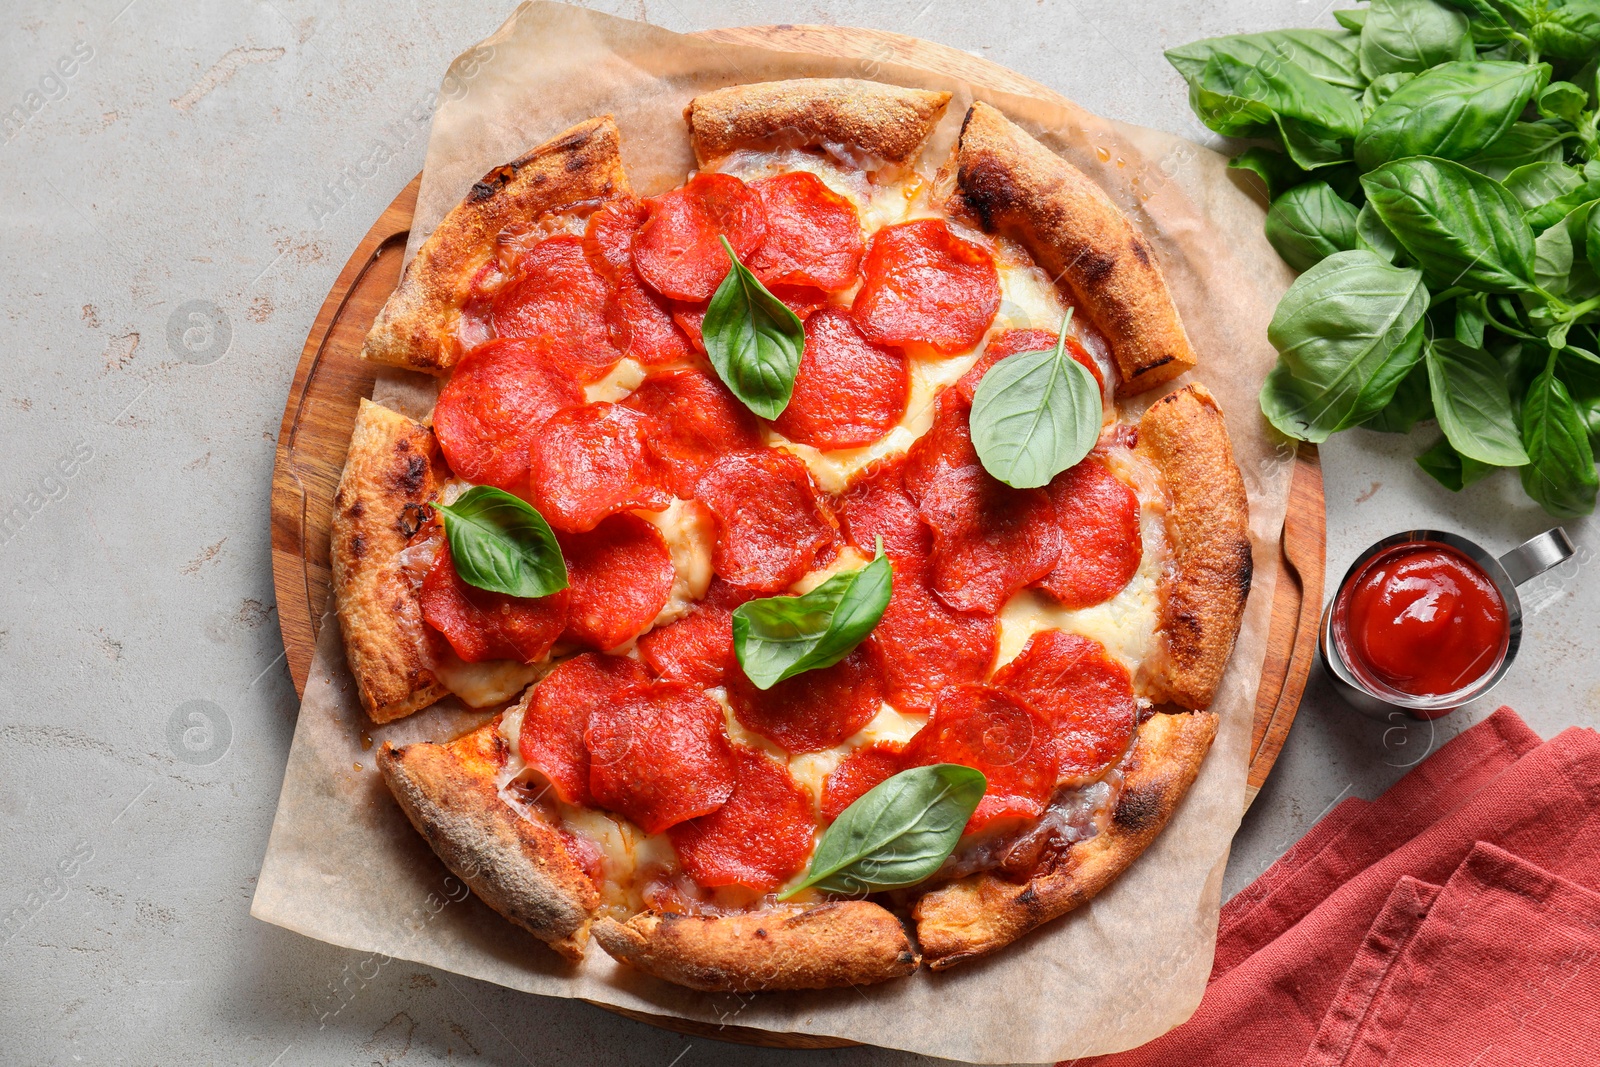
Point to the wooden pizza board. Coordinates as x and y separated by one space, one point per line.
331 380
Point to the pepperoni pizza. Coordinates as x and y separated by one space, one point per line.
631 781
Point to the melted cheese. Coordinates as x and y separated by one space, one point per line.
621 380
833 470
690 534
877 204
1127 623
482 685
810 770
1028 299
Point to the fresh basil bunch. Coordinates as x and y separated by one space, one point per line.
1433 167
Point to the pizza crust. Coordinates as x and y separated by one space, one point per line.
983 912
818 946
1208 527
889 122
381 501
577 169
517 864
1016 187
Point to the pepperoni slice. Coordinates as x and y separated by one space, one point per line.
694 420
589 462
857 773
924 284
771 527
659 754
759 838
481 625
559 296
802 300
1085 694
927 645
620 575
1014 342
877 505
816 709
989 540
1100 547
677 251
689 318
849 392
987 728
813 234
639 326
946 447
557 714
493 407
697 648
608 238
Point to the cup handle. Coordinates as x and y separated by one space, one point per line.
1537 554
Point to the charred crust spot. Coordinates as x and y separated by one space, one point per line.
988 190
1243 568
1184 633
1096 267
760 932
576 163
409 480
358 547
491 183
1140 253
572 141
906 958
1138 810
1161 361
355 511
412 516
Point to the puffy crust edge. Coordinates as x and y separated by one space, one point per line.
851 942
1018 188
1208 526
388 478
981 913
517 864
887 121
416 327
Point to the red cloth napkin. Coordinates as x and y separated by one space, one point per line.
1356 834
1268 1006
1430 983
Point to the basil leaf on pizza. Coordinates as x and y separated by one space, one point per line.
499 543
1035 414
898 833
753 340
779 637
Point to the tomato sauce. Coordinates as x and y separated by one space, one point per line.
1422 619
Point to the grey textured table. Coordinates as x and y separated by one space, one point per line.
170 224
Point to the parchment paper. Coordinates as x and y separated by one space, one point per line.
344 866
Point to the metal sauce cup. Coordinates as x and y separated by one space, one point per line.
1533 557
